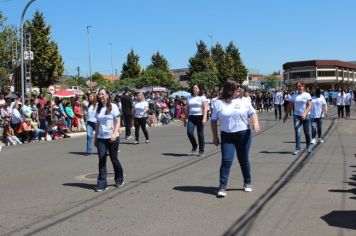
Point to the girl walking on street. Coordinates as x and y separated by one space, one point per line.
318 111
107 140
234 113
91 122
140 119
196 116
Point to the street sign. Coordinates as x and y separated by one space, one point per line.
28 55
51 89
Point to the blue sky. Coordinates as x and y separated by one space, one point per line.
268 33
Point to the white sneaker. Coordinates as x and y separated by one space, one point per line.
296 152
129 138
247 187
136 142
320 140
221 192
313 141
147 141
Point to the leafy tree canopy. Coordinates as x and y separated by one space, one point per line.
207 80
131 69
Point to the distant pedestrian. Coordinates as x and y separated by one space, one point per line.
302 102
318 111
234 113
340 103
348 98
196 116
140 120
107 139
91 122
278 101
127 116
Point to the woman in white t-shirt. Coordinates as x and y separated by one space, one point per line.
91 122
302 102
317 113
340 103
107 131
234 113
140 117
196 116
348 97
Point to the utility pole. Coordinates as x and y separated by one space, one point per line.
91 80
112 67
78 70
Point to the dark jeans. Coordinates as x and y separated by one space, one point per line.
196 121
128 124
340 111
279 107
104 146
347 109
140 122
316 125
231 142
298 123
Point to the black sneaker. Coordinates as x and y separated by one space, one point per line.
201 154
101 189
194 150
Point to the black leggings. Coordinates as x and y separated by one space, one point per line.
340 111
140 122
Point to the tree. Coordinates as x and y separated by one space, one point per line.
239 71
157 77
272 81
201 62
207 80
47 66
75 81
101 82
159 62
224 64
131 69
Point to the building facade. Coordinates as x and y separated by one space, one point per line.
327 74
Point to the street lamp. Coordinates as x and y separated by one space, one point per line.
211 41
112 67
91 81
22 52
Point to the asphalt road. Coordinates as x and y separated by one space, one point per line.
46 188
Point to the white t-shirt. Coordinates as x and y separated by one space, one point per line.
278 98
317 107
340 100
107 122
140 107
300 102
348 99
195 104
15 117
233 116
2 102
287 98
91 114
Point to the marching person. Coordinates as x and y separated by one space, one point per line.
234 113
278 101
91 123
107 139
196 116
127 106
340 103
302 102
140 120
318 111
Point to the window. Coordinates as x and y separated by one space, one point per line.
326 73
183 78
303 74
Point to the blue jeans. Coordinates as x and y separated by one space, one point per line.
38 133
196 121
316 124
104 146
298 123
90 131
241 142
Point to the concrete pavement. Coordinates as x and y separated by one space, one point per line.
47 187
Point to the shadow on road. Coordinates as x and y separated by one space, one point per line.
81 153
292 142
197 189
177 154
80 185
341 219
282 152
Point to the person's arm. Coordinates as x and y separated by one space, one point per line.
255 123
307 109
205 111
214 130
116 129
96 134
289 109
186 114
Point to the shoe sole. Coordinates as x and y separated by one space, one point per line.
101 190
220 195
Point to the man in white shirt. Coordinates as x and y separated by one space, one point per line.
278 101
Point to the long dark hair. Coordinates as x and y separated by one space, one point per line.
93 103
108 103
317 92
229 89
200 90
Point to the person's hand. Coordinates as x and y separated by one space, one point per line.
141 113
302 117
95 142
185 123
204 121
113 138
256 127
216 141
